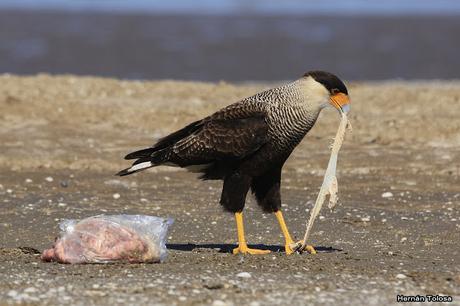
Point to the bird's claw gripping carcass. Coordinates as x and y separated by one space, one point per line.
298 247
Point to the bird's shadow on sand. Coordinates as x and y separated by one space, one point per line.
227 248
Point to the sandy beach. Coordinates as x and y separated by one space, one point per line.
395 231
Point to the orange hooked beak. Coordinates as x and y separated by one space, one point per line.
341 102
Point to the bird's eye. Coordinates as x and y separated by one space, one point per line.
334 91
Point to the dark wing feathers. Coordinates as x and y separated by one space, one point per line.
166 141
234 132
236 137
178 135
220 139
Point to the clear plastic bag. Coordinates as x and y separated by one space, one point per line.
111 238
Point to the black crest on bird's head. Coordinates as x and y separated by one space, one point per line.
332 83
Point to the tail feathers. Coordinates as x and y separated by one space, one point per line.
141 153
146 158
136 167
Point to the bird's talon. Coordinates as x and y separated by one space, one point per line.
297 247
290 247
310 249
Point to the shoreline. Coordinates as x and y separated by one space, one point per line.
234 48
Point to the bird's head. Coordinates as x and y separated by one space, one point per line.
330 87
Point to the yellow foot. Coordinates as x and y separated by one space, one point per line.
287 247
310 249
295 247
243 249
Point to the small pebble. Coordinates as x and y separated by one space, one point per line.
401 276
366 219
30 290
403 239
28 180
12 293
116 196
49 179
9 191
387 195
244 275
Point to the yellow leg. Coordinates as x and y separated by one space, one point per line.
287 236
242 246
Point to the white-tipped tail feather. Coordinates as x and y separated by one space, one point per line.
136 168
140 166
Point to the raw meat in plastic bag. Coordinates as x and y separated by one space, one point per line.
115 238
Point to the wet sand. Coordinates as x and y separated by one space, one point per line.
63 138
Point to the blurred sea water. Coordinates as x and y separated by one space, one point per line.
231 40
268 7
